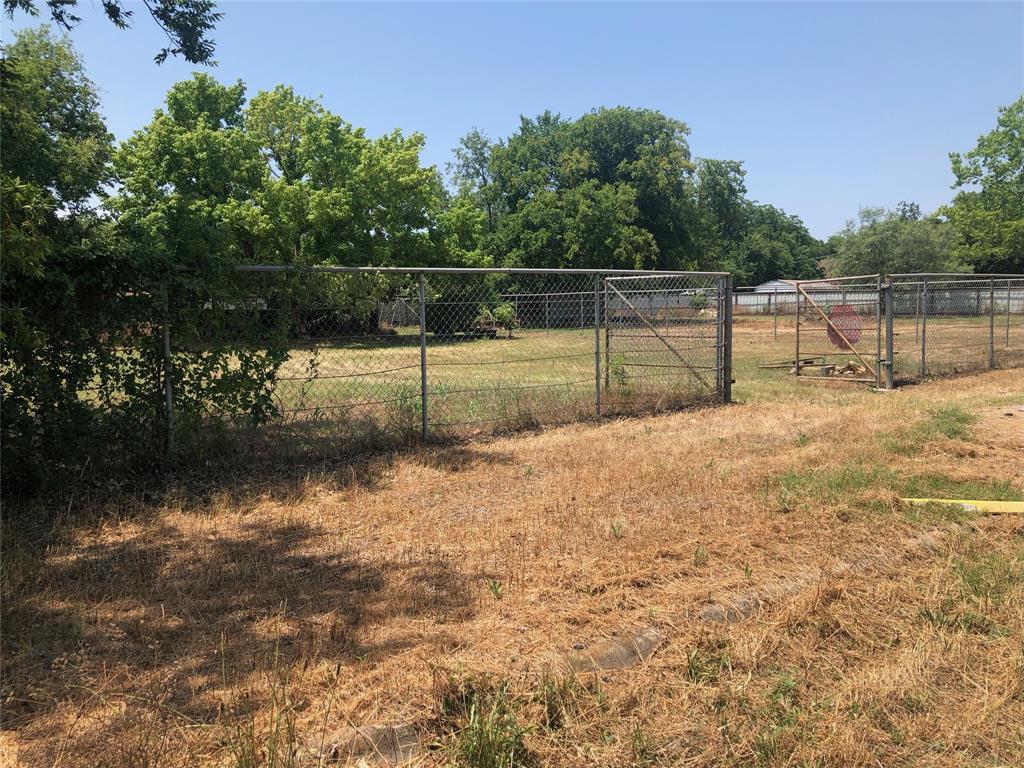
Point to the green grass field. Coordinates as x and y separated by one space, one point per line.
535 376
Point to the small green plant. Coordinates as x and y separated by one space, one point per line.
699 301
748 572
505 315
700 556
617 372
484 318
704 666
784 689
645 751
618 531
945 617
802 440
779 719
488 733
563 698
989 577
495 586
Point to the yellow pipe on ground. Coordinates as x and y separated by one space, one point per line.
992 507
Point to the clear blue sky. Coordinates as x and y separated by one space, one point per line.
831 106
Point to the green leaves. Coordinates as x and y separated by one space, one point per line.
187 23
618 188
890 242
989 208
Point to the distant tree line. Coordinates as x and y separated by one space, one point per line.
619 188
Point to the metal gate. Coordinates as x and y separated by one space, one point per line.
668 340
839 329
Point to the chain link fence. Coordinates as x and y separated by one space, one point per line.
361 357
955 323
884 330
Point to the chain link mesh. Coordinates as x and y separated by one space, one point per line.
357 356
949 324
664 340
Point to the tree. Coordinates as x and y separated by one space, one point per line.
472 173
62 269
892 242
647 151
773 245
988 211
609 189
189 180
618 188
187 23
721 203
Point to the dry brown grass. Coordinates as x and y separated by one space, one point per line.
177 629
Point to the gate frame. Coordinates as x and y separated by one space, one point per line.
722 387
842 284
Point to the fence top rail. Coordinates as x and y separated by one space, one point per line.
958 275
844 279
471 270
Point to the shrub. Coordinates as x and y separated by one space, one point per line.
505 315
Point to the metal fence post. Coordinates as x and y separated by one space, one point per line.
799 301
727 348
775 313
720 302
607 341
1007 313
168 385
992 322
890 295
878 334
924 328
423 353
917 315
597 343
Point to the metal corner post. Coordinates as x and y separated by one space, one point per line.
727 342
597 343
890 294
925 303
423 353
992 322
799 307
878 333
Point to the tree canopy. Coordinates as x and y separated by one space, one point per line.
619 188
59 257
186 23
280 180
900 241
988 209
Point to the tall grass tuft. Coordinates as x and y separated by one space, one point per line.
486 730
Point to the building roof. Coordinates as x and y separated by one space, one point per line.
782 286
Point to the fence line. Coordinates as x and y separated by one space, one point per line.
397 354
904 327
945 324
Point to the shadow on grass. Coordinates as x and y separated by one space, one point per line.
168 621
